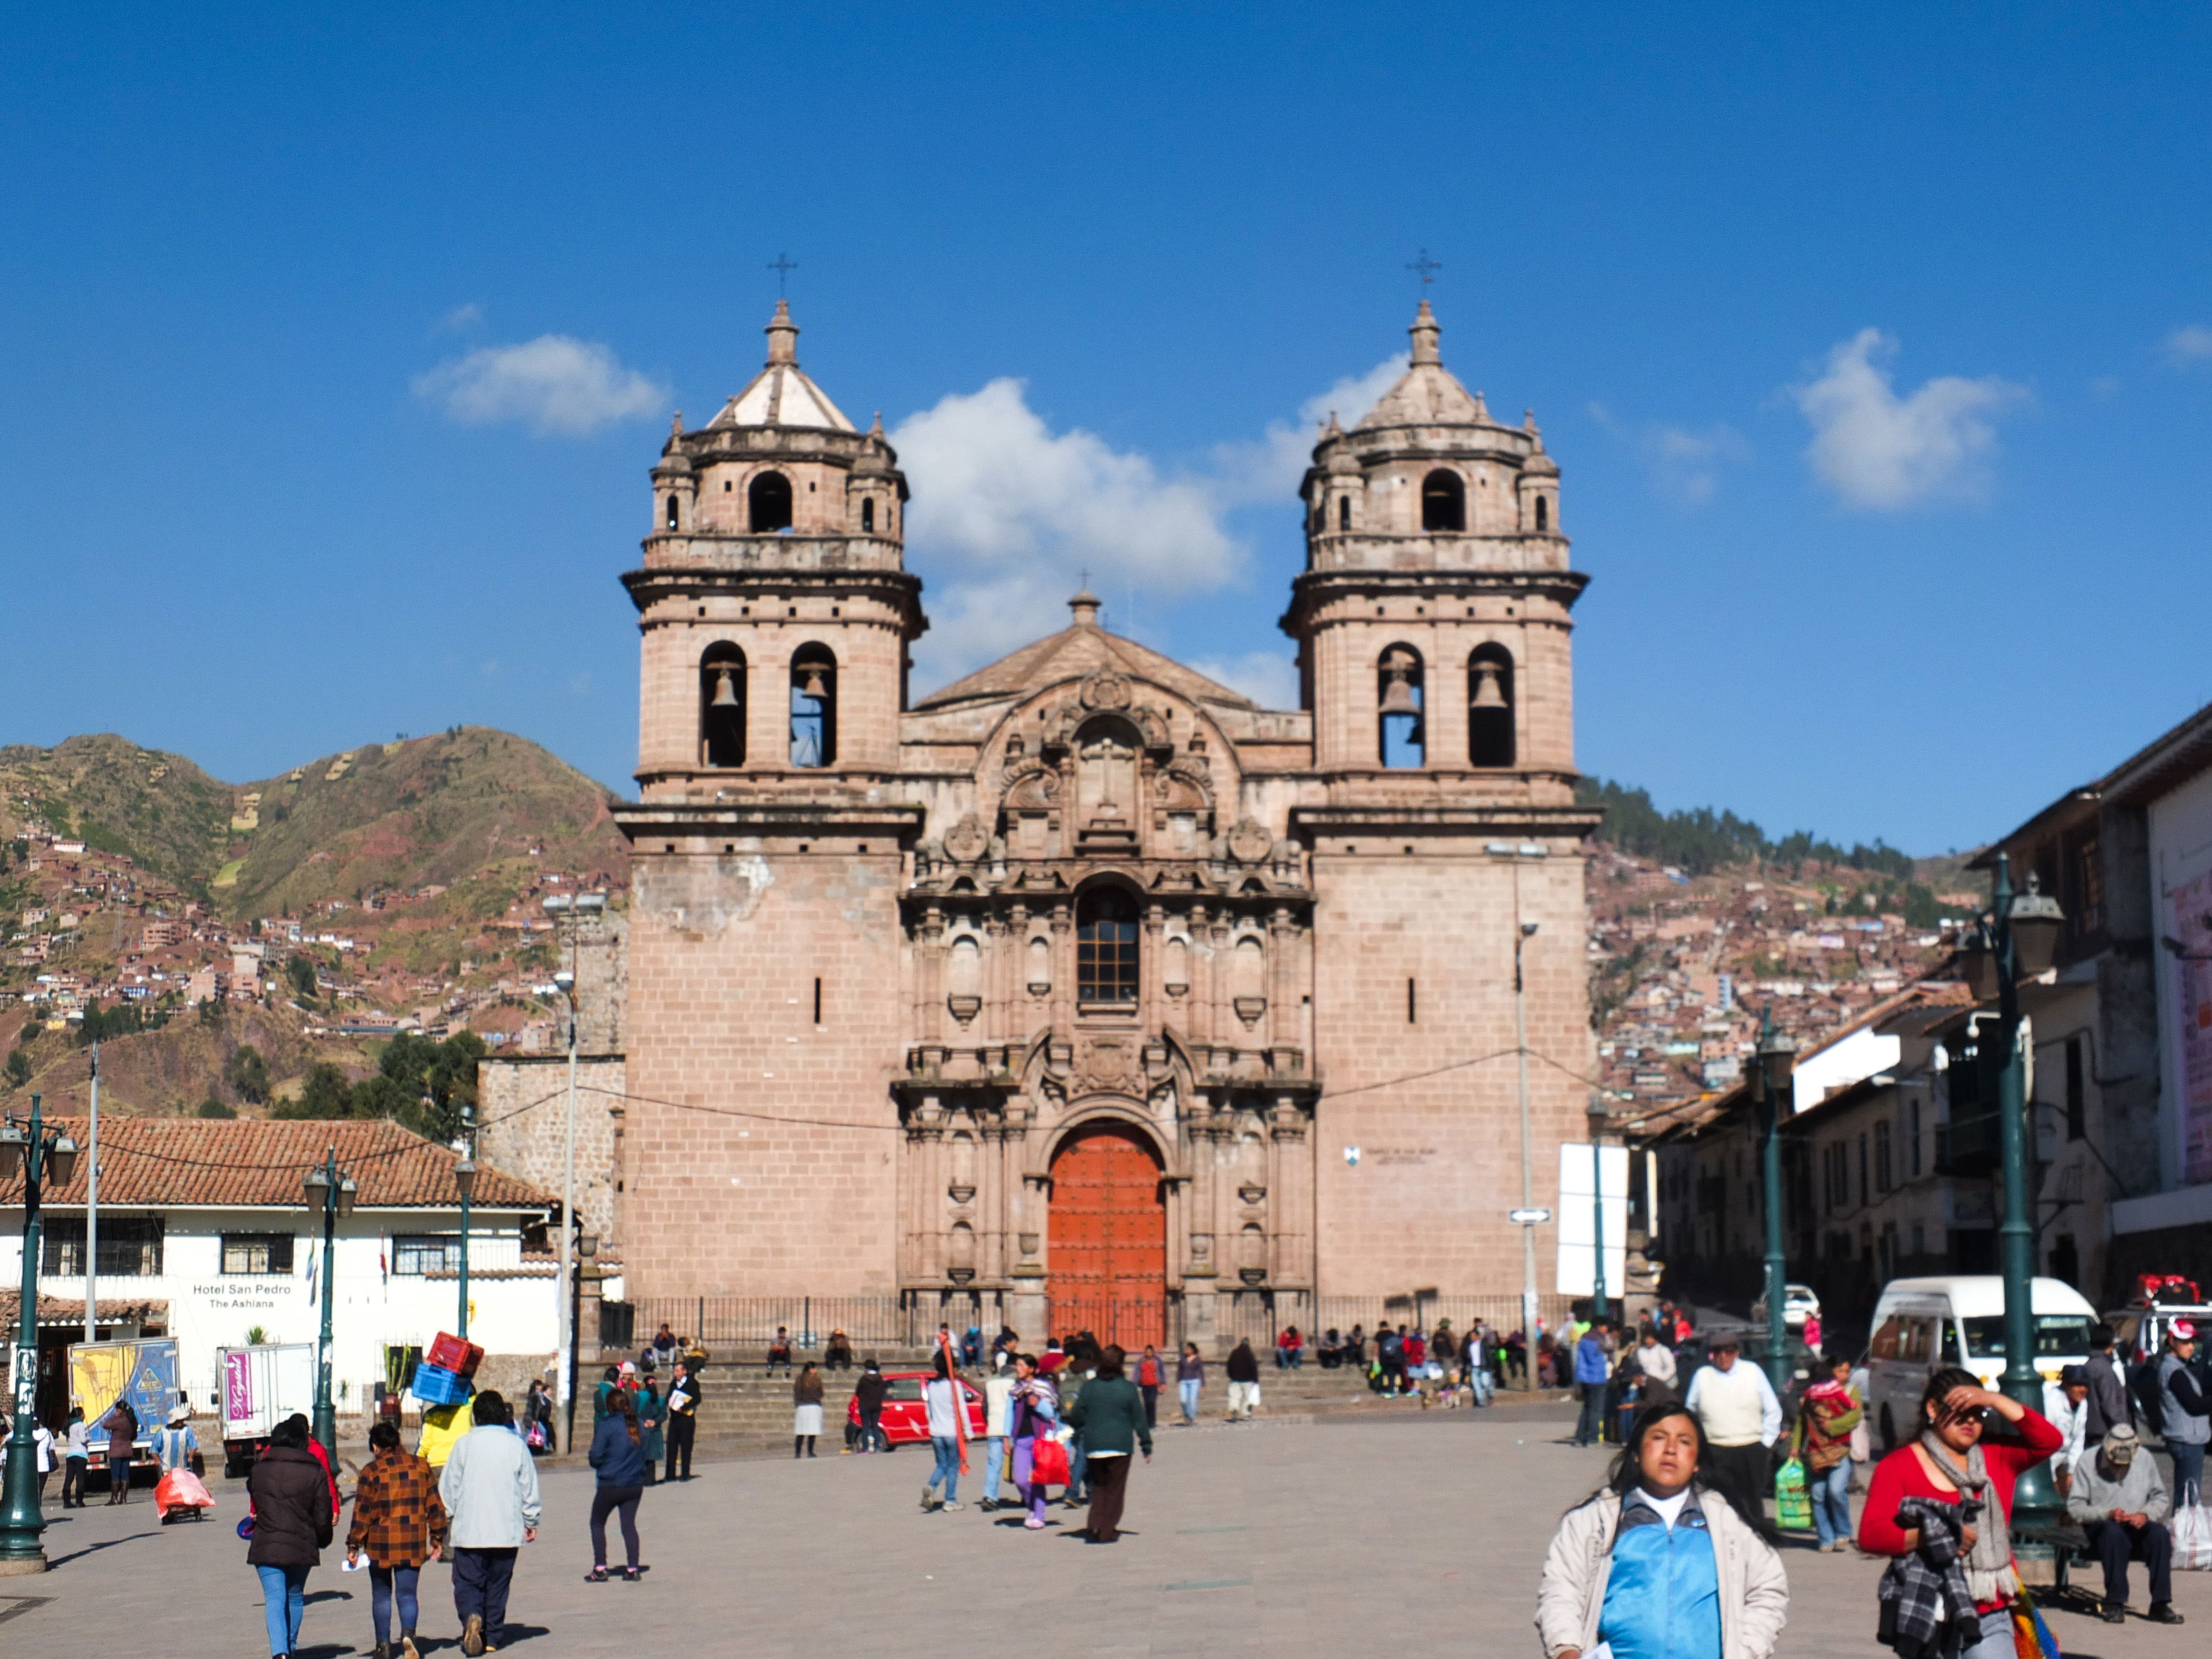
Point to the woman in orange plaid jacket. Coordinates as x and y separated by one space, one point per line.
400 1523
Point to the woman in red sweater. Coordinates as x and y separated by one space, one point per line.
1949 1461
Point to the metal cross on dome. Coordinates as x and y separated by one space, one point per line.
1425 268
783 264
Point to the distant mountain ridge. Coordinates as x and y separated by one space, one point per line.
419 812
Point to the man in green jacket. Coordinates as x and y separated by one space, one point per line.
1110 1415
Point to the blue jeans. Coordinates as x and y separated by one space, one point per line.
1483 1384
1076 1459
284 1596
382 1583
2188 1471
1591 1424
1995 1641
1187 1390
1830 1492
948 1466
994 1464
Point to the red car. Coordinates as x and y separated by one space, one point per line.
905 1421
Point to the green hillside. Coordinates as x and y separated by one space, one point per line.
158 809
404 815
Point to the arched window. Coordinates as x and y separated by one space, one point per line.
1443 500
1489 707
814 706
671 512
1543 514
768 497
1344 512
1398 685
1105 946
867 515
722 707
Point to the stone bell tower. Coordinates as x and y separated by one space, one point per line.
773 601
1434 637
775 613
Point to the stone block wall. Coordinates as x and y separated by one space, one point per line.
1439 1155
522 1104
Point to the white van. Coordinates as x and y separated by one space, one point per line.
1921 1325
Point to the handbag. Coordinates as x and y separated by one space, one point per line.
2191 1527
1048 1462
1793 1504
535 1437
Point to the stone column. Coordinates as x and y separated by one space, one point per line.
1290 1197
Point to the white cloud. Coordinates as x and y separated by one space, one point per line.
1009 516
1875 449
461 317
1269 469
1269 679
2190 345
1685 464
554 383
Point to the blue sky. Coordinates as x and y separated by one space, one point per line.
1876 352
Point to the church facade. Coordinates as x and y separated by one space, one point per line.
1084 980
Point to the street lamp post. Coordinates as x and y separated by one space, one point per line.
41 1155
2020 940
332 1191
1776 1058
572 905
1597 1208
465 1177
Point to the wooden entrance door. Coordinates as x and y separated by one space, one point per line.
1108 1239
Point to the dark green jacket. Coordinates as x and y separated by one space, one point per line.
1111 1414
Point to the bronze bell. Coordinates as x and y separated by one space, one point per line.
816 686
1488 692
726 690
1398 689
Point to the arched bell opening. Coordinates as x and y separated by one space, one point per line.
1398 696
814 706
1490 735
722 706
1443 500
768 503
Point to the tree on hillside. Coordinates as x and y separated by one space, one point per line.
18 1069
324 1093
214 1108
301 971
248 1074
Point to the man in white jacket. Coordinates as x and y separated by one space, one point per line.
489 1486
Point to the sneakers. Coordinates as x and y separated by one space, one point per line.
2162 1613
950 1508
596 1576
631 1574
407 1648
929 1499
472 1637
986 1504
1033 1524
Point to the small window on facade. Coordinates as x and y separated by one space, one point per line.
769 496
722 707
257 1252
1344 512
1490 737
1399 686
1543 514
130 1247
1443 500
2077 1100
1106 946
671 512
868 516
414 1254
814 706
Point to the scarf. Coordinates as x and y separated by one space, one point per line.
1990 1575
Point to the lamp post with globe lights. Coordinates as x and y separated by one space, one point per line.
2018 940
332 1191
41 1155
1773 1062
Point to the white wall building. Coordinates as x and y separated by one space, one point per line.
204 1236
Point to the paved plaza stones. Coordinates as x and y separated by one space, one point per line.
1275 1538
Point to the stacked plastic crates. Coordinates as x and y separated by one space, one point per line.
445 1376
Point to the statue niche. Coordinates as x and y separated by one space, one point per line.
1107 784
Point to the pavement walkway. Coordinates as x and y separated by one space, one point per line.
1273 1539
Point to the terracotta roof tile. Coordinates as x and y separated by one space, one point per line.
153 1161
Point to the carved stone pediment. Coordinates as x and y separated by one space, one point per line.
1106 689
968 839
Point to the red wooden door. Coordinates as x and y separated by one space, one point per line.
1108 1239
